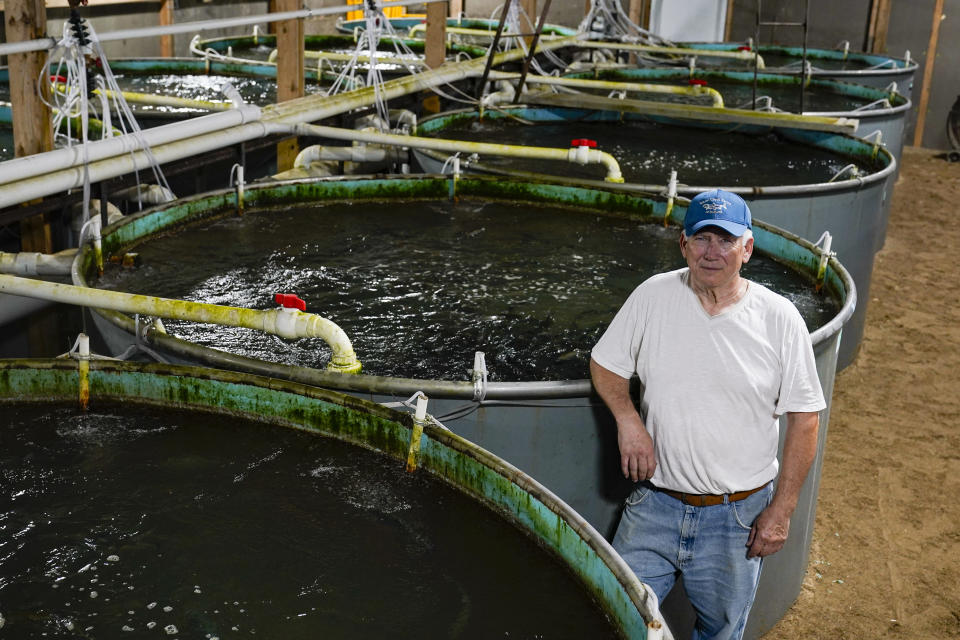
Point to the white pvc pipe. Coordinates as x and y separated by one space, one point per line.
578 155
316 153
286 323
64 158
29 263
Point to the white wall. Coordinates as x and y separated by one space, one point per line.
689 20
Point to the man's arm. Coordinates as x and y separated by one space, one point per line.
769 531
636 446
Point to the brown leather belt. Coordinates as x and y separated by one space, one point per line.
708 499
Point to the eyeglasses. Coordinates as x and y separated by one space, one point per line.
724 243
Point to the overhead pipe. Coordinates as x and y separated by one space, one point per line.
640 87
579 155
274 119
42 44
282 321
67 157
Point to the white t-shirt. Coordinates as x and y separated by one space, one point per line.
714 386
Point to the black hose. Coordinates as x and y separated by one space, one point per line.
953 124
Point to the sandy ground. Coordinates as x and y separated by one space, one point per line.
885 557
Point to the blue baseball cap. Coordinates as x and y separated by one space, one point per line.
717 208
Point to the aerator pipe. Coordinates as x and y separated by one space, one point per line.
644 87
168 101
683 51
286 323
578 155
347 57
46 163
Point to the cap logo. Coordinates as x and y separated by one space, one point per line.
714 206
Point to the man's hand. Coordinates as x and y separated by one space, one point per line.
636 450
771 527
769 532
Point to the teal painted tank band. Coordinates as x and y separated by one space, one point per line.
443 453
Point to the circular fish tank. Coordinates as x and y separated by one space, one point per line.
876 109
872 70
177 505
804 181
527 273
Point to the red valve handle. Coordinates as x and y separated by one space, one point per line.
697 82
745 47
290 301
583 142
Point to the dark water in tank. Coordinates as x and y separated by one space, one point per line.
420 287
647 151
140 523
7 150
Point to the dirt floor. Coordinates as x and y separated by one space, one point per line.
885 558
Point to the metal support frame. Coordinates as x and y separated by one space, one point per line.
776 23
533 50
493 48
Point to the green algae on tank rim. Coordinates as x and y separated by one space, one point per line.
471 469
123 236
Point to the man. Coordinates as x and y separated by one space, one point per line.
720 358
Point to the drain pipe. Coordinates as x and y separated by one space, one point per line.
580 154
288 321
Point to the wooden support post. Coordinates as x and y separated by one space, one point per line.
928 63
290 83
32 127
728 23
880 23
436 38
272 8
529 7
435 48
166 19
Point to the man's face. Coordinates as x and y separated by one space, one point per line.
714 256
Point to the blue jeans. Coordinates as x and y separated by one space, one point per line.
660 537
